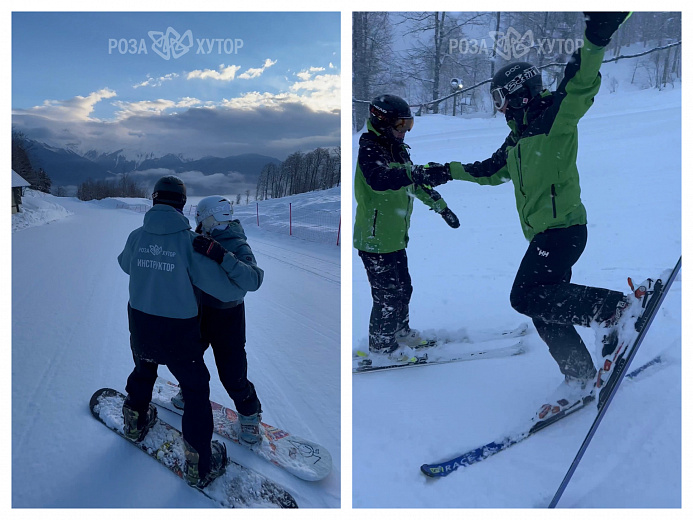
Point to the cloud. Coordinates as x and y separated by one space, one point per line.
254 73
321 93
156 82
153 107
306 74
267 124
225 73
77 108
197 183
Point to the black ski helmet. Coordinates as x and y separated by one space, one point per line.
516 83
388 111
170 190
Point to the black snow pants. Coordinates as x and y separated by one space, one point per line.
542 291
388 275
155 334
224 329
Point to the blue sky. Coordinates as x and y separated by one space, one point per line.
96 80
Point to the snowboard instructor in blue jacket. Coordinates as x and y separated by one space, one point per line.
167 264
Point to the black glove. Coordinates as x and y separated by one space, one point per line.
198 229
431 174
209 247
600 26
450 218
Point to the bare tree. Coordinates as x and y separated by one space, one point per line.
433 31
371 57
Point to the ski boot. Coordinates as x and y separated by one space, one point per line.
573 392
135 425
217 465
622 327
412 338
178 401
250 433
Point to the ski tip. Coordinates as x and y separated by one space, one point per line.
521 349
433 471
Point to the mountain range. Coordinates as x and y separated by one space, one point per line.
67 167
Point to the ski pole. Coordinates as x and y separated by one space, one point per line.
612 390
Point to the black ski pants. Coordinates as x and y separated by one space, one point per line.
391 289
542 291
193 377
224 329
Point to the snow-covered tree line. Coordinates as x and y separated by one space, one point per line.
21 164
416 55
300 173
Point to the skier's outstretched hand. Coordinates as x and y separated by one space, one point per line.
600 26
209 247
450 218
431 174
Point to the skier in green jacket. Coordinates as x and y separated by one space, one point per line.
539 157
385 186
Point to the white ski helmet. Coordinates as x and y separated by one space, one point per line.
212 212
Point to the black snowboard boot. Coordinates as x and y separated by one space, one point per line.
217 465
136 425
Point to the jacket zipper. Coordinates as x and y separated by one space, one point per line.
519 176
553 199
375 217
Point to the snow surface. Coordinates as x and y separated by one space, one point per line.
630 166
70 338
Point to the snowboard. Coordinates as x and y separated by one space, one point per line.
239 487
300 457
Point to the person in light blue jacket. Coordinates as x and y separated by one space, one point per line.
168 266
223 322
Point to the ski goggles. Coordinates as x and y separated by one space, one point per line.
499 98
403 124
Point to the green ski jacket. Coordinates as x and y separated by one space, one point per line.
385 194
540 153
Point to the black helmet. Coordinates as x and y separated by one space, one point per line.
388 111
170 190
515 84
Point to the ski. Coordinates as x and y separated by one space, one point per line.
606 394
302 458
237 487
364 366
463 336
443 469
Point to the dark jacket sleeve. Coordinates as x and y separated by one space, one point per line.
379 171
492 171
